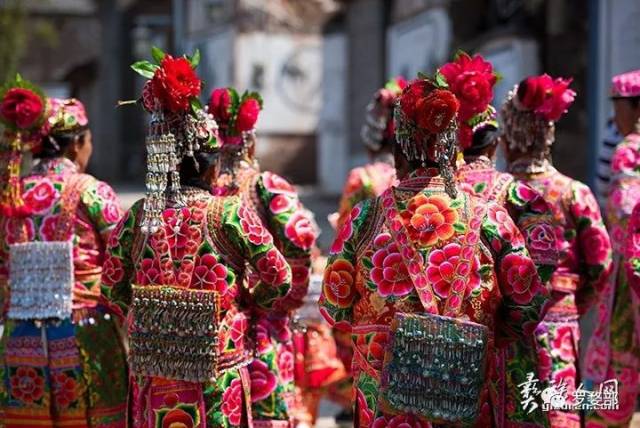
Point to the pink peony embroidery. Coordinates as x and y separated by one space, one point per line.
111 213
562 344
232 406
285 365
252 226
273 268
281 203
389 272
519 278
300 230
263 381
276 184
210 274
596 245
445 266
41 197
112 271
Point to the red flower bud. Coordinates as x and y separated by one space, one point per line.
220 105
247 115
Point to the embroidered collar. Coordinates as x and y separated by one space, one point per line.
530 166
59 165
421 178
481 162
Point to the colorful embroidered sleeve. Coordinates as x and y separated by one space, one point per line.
294 230
244 228
118 268
103 207
523 294
632 251
625 181
595 256
534 219
338 284
357 188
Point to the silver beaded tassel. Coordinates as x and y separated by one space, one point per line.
161 164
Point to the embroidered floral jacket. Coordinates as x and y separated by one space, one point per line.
96 216
366 280
364 182
196 249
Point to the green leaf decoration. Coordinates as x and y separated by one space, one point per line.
196 105
569 234
456 203
194 59
583 222
144 68
441 81
459 227
367 262
255 95
459 53
157 54
485 270
498 76
479 187
422 75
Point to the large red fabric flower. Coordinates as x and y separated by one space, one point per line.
471 80
64 390
232 402
338 283
547 97
175 83
263 381
558 101
27 385
429 219
300 230
533 91
247 115
273 268
220 105
435 111
411 94
389 271
41 197
21 108
519 278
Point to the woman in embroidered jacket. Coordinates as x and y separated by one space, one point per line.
472 79
283 215
188 251
377 134
62 359
529 114
614 352
424 247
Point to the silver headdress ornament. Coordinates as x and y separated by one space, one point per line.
376 120
415 142
171 137
527 133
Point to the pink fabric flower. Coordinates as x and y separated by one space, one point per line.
542 238
276 184
586 205
148 272
112 271
281 203
563 345
239 328
625 158
446 265
505 226
596 245
285 365
263 337
210 274
111 212
273 268
41 197
263 381
519 278
389 272
300 230
252 226
345 232
232 406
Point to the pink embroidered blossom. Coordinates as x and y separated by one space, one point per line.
389 272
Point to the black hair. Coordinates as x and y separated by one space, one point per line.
483 138
193 169
633 101
55 145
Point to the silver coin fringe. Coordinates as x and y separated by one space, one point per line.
175 333
436 368
41 278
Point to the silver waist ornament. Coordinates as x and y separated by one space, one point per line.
435 368
41 278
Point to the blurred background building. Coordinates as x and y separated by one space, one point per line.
316 62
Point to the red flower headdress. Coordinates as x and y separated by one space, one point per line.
379 125
471 79
426 126
23 112
236 115
179 126
529 113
